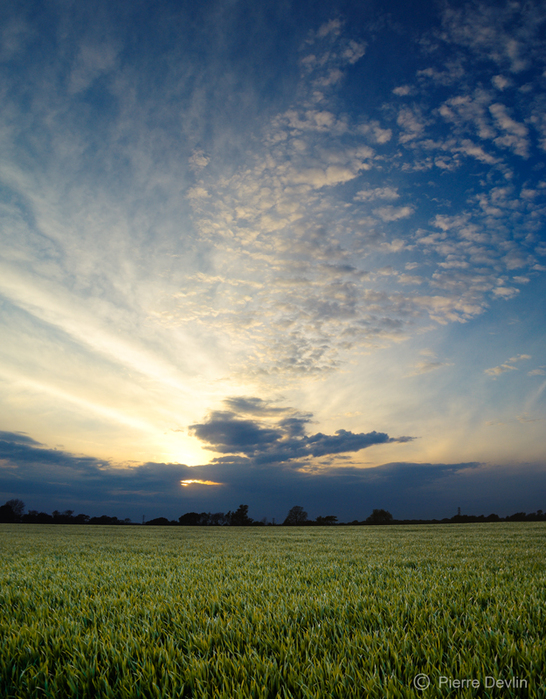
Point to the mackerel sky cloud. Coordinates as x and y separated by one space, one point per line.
285 244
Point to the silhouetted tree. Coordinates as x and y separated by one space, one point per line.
35 517
160 521
7 514
18 507
12 511
63 517
190 519
326 521
517 517
104 519
240 517
379 517
297 515
217 519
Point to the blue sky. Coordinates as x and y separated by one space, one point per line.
293 253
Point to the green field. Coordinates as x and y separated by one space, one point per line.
272 612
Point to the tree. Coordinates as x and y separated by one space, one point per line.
297 515
217 519
380 517
190 519
63 517
326 521
18 507
7 514
36 517
204 519
12 511
240 517
159 522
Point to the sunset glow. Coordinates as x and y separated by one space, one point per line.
293 249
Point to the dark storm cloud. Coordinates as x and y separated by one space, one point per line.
276 441
17 438
228 434
323 444
22 450
48 479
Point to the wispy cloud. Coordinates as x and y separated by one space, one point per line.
307 190
536 372
373 193
429 363
507 366
505 34
244 205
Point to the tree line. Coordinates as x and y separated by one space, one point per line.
14 511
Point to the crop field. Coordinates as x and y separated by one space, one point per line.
343 612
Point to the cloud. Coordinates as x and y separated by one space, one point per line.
226 433
472 150
501 82
15 35
507 366
331 27
393 213
354 51
453 73
525 418
515 136
51 479
93 61
403 90
184 217
18 438
197 193
412 124
254 406
21 450
506 34
280 440
331 52
426 366
374 193
501 369
266 242
198 160
470 111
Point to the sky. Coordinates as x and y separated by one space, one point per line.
278 253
